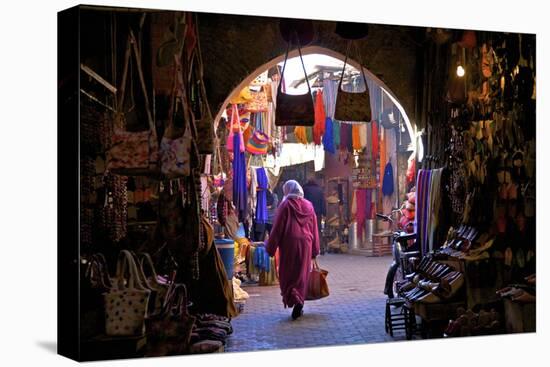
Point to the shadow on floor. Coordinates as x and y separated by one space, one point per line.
50 346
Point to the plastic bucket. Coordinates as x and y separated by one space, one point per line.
226 249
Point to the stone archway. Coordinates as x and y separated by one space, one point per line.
309 50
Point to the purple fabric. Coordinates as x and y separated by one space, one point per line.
346 137
261 196
239 179
296 236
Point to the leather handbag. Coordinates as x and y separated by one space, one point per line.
294 110
132 153
126 303
169 332
317 286
352 106
205 125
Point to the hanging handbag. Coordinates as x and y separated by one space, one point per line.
126 303
317 286
158 290
259 141
234 127
258 102
205 124
132 153
352 106
294 110
169 332
175 151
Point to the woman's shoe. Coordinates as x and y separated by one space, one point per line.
297 311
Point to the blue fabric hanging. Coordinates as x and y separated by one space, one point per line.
261 259
261 196
239 179
328 141
387 183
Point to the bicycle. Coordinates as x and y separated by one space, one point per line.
400 266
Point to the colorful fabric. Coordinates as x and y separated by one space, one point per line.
387 183
328 140
309 134
330 90
382 154
261 196
296 236
346 143
261 259
360 210
336 134
374 143
300 134
363 136
239 180
319 118
355 137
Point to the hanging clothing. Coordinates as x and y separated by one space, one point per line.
319 118
261 201
363 141
261 259
329 96
300 134
374 143
360 210
387 183
346 143
336 134
434 204
355 137
382 155
296 236
328 142
309 134
239 180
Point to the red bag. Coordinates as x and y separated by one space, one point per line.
317 286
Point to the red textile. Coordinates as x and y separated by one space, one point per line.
320 116
295 234
374 140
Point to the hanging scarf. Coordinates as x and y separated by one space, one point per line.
382 154
261 197
336 134
374 140
320 117
387 183
346 143
239 179
328 141
309 134
300 134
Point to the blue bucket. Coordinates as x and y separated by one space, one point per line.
226 249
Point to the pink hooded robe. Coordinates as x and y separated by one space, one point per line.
295 233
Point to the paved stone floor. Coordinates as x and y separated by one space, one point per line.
352 314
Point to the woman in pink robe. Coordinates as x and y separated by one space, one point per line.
295 233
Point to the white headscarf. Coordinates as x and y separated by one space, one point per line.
292 189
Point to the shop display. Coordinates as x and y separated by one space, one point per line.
207 189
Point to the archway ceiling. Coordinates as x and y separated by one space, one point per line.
234 46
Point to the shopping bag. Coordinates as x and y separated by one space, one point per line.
317 286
